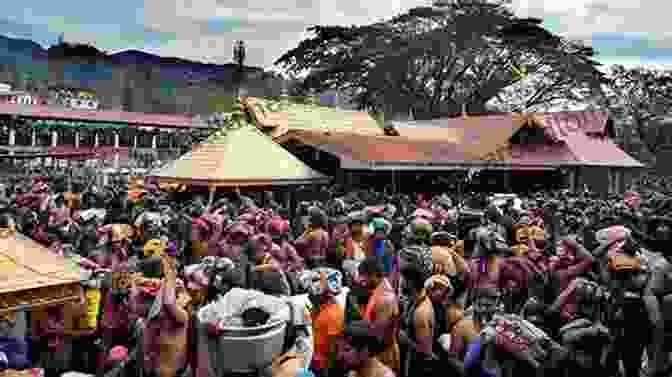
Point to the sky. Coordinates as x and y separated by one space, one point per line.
624 32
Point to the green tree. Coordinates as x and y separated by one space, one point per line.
432 60
641 96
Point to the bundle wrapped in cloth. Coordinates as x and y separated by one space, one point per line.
228 311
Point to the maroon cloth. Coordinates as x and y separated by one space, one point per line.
566 302
118 253
59 216
568 271
199 229
509 273
228 250
117 317
312 247
423 201
32 200
276 225
40 234
570 266
287 257
52 328
264 243
214 234
539 260
235 235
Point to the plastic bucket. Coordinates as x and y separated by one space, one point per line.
244 350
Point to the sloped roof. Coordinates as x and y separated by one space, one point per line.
32 276
146 119
576 150
474 140
380 148
597 151
482 135
312 117
560 124
243 157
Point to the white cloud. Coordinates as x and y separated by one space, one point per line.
582 18
270 28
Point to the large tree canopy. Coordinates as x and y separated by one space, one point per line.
433 60
641 96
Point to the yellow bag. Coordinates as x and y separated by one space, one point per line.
155 248
93 299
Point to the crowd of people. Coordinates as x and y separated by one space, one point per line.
553 282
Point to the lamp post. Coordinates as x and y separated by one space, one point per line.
239 58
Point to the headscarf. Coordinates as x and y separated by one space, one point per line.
117 354
422 213
614 235
632 200
380 224
278 226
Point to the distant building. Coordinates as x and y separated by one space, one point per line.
74 98
21 98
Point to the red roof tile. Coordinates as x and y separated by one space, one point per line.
577 149
146 119
599 151
482 134
380 148
559 125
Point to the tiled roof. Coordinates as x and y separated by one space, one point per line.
380 148
577 150
481 135
146 119
559 125
243 157
598 151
